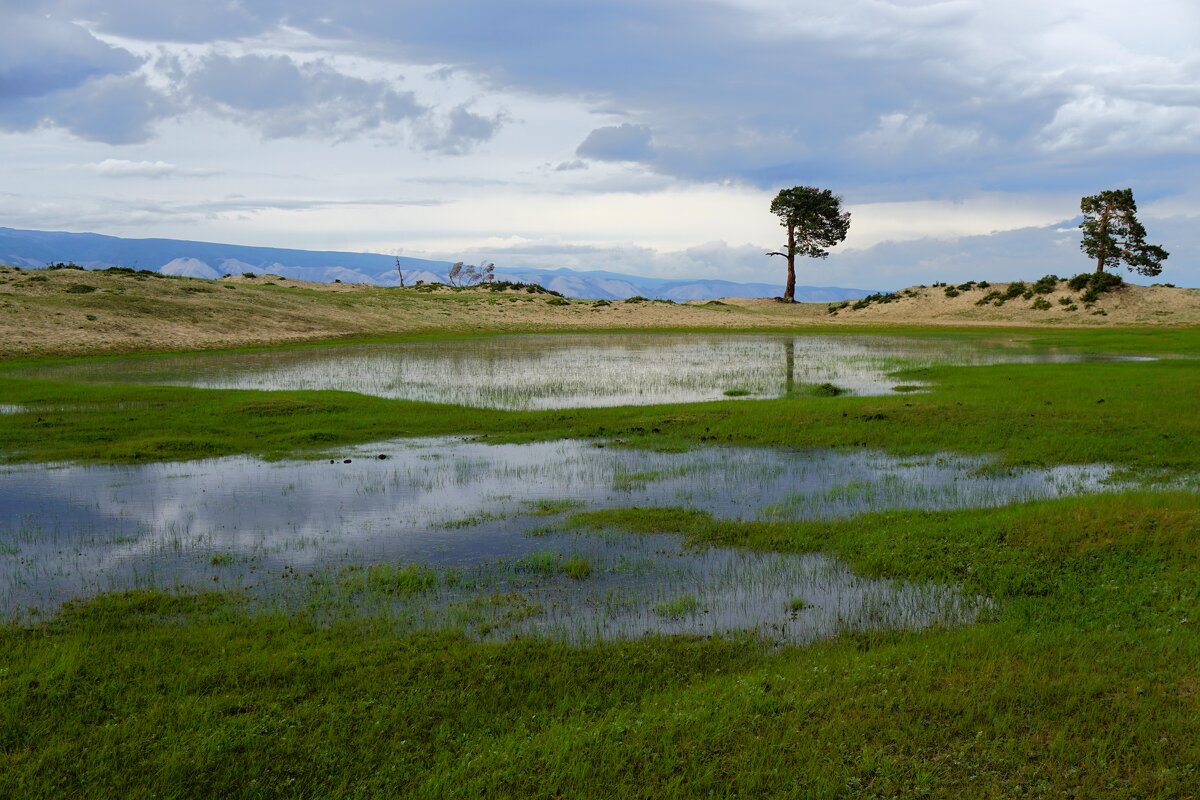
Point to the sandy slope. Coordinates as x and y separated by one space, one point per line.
1130 305
69 311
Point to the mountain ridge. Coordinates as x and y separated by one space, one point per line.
32 248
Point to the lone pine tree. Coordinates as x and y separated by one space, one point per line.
1112 233
814 220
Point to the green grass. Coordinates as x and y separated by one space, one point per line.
1084 681
682 606
402 580
1083 684
1140 415
577 568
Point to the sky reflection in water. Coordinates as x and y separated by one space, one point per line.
464 510
569 370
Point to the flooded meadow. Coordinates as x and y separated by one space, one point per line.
571 370
452 532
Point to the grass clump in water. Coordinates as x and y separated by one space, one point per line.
542 562
400 580
827 390
577 568
549 508
682 606
736 392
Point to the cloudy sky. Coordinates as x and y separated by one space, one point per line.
642 136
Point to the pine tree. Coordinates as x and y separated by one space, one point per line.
1112 233
814 220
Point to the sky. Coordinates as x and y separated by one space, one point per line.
638 136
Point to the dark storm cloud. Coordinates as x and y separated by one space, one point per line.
624 142
53 72
461 131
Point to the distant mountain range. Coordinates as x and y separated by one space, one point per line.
210 260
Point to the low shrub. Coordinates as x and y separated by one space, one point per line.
1046 284
519 286
80 288
952 292
1099 283
878 297
1016 289
1041 304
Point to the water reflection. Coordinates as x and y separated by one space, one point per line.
569 370
467 507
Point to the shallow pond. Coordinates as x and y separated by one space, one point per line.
455 532
569 370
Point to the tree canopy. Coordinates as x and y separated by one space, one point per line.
814 221
1112 233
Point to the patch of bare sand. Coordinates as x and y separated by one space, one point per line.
923 305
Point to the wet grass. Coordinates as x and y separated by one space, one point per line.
1083 684
1084 681
1131 414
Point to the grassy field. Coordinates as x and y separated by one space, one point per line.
1082 683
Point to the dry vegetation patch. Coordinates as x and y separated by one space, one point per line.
65 311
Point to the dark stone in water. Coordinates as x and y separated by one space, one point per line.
382 456
348 461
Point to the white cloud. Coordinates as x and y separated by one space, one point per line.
1095 124
123 168
899 132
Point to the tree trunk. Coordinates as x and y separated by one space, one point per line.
789 291
1104 212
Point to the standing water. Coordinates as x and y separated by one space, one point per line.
454 532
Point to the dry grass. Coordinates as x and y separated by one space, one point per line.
44 312
1130 305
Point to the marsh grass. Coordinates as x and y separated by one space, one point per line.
1080 681
682 606
397 579
565 371
1081 684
